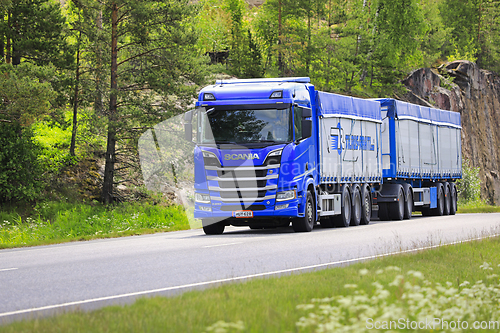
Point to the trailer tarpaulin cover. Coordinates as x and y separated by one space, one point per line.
334 104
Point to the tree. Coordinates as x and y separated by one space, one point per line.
26 96
153 71
34 30
214 24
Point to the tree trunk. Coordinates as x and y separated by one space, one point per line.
280 60
109 169
98 104
75 101
8 46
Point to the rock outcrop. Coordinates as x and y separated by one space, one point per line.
463 87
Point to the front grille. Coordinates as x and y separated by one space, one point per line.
245 184
230 208
242 183
240 173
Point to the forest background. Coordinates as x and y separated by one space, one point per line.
81 80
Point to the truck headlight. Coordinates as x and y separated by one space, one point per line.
286 195
202 197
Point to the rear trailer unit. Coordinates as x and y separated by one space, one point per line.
421 160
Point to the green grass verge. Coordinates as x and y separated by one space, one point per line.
477 207
56 222
450 282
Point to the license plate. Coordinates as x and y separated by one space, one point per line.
243 213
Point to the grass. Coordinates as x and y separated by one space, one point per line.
56 222
401 286
477 207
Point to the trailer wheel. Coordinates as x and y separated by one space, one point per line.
356 207
344 219
383 211
306 223
366 207
408 203
397 209
211 228
453 195
447 198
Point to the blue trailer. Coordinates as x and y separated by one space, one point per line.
270 152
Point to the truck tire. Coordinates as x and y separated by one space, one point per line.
211 228
366 207
408 203
453 195
439 210
383 211
306 223
356 206
397 209
447 198
344 219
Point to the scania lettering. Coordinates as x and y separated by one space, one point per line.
270 152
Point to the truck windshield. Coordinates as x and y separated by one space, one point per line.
246 126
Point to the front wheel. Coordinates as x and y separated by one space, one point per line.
211 228
306 223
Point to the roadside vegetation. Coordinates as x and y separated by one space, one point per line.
57 222
454 283
469 192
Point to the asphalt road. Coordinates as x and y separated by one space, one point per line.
86 275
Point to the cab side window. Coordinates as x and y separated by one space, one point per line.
297 122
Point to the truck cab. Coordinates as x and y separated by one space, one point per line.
255 157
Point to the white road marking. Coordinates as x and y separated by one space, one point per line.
208 246
239 278
8 269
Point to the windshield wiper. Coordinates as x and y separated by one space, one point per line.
258 141
224 142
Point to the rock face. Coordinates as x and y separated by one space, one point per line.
463 87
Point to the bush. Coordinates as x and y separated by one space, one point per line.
20 169
469 187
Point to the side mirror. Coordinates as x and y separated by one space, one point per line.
306 128
188 132
306 113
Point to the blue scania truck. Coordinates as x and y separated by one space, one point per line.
270 152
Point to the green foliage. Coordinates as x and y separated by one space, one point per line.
214 25
409 296
64 221
26 96
469 187
466 52
25 92
20 169
35 31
